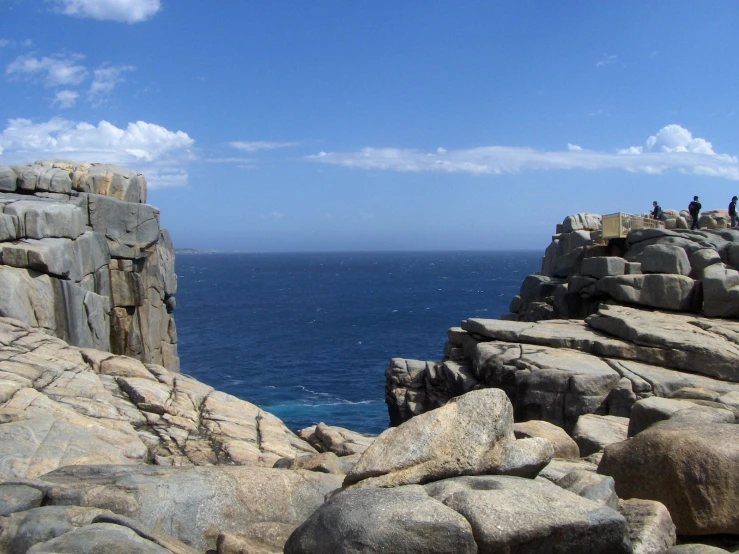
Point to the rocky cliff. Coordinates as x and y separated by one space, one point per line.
591 419
83 258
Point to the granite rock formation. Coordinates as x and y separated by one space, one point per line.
83 258
631 348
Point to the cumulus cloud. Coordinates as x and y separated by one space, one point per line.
161 154
52 71
256 146
65 99
672 148
125 11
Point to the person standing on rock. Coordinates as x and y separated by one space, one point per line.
694 208
732 211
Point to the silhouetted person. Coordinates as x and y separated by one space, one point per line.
657 212
694 209
732 211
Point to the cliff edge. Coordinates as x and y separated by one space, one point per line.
83 258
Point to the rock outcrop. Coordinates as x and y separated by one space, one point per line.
631 348
83 258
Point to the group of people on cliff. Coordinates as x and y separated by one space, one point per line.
694 209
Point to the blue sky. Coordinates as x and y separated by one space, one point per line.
415 125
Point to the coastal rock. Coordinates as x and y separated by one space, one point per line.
650 526
463 514
564 446
513 514
663 258
668 292
20 531
325 462
649 411
62 406
195 504
584 221
401 519
660 464
18 498
588 484
340 441
559 467
593 433
82 225
472 434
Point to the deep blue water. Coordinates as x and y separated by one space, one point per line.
308 336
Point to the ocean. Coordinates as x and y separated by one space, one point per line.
307 337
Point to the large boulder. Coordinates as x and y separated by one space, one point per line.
472 434
593 433
196 504
510 514
669 292
663 258
402 519
650 526
690 467
582 221
340 441
564 446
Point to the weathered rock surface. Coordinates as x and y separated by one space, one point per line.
340 441
196 504
690 467
558 370
650 526
593 433
471 435
401 519
564 446
83 258
61 406
464 514
588 484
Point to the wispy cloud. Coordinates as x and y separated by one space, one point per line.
672 148
65 99
105 79
124 11
52 71
159 153
68 70
256 146
607 60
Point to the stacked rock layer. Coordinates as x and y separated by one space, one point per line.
83 258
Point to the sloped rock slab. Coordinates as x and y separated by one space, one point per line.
472 434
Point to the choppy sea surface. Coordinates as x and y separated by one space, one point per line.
308 336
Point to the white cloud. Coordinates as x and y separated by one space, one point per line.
260 145
53 71
65 99
125 11
672 148
573 147
159 153
104 80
